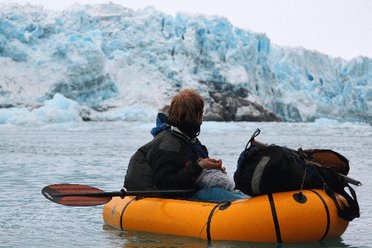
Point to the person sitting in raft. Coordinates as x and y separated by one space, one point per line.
175 159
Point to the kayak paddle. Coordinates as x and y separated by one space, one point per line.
84 195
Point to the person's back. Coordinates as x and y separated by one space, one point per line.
153 165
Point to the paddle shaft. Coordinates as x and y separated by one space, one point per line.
93 194
84 195
127 193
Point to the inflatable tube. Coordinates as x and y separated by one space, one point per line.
284 217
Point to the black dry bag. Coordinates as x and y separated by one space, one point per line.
264 169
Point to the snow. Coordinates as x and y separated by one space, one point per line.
108 63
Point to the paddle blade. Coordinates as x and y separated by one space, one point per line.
75 195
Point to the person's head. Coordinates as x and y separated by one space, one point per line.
186 106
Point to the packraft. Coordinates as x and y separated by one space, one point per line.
270 218
264 169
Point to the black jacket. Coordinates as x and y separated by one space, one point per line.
166 162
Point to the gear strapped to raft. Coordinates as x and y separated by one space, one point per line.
264 169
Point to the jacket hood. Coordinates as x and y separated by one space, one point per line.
161 124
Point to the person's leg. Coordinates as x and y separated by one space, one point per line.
215 194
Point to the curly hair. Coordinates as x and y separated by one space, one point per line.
186 106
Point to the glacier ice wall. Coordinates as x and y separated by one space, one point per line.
121 64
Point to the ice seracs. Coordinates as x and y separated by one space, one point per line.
119 64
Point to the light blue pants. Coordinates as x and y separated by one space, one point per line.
216 194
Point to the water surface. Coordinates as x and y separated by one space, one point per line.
97 154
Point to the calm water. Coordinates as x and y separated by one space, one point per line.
97 154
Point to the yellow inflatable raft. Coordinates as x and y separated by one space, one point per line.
276 218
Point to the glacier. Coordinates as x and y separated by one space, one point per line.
106 62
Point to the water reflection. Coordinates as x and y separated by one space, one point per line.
135 239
